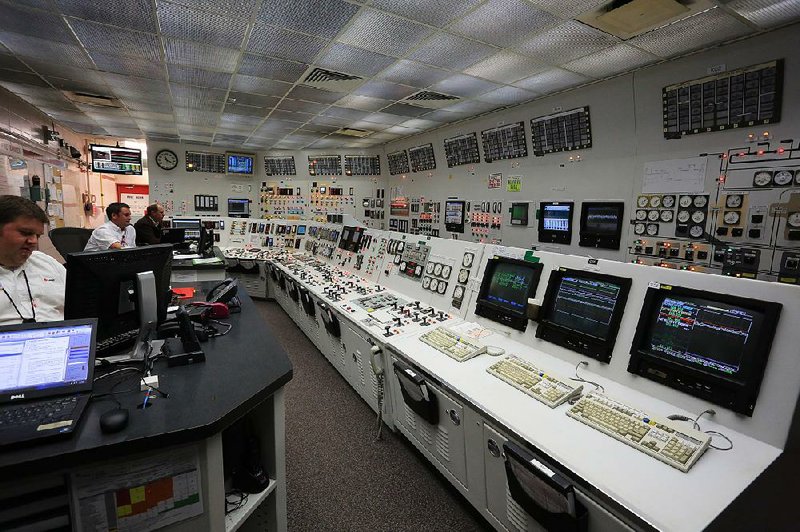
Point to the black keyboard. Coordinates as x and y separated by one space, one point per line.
38 412
117 343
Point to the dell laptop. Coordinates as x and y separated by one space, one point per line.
46 373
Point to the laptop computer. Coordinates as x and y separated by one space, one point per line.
46 374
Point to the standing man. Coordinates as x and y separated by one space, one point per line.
116 233
32 283
148 228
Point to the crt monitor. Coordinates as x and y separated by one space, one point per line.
712 346
601 224
582 311
103 285
238 207
507 285
191 225
555 222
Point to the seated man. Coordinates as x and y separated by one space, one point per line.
148 228
116 233
32 283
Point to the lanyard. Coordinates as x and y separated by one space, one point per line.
33 307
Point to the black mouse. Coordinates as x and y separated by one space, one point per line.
114 420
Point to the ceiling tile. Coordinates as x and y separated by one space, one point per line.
341 112
35 23
86 86
385 118
434 12
566 42
317 17
551 81
503 22
385 90
289 116
259 85
441 115
116 40
698 31
365 103
197 106
506 67
384 136
354 60
405 110
256 100
611 61
301 106
44 50
234 8
420 123
767 13
471 107
25 78
247 110
197 93
464 86
39 4
285 44
267 67
413 73
320 128
199 77
568 8
85 127
506 96
200 55
144 105
330 121
129 14
134 66
451 51
402 131
193 25
314 95
382 32
10 62
369 126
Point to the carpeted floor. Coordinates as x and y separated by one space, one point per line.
338 477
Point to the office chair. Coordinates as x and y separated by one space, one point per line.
69 239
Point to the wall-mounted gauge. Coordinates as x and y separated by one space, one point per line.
426 282
467 260
793 219
698 217
696 231
638 229
782 178
417 270
442 288
652 229
666 216
762 179
733 201
655 202
685 201
434 284
437 269
429 268
700 201
397 259
731 217
683 216
642 201
641 215
403 265
668 202
446 271
652 215
458 292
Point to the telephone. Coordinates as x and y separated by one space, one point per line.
224 292
374 360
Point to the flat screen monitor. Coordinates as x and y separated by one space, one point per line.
507 285
454 216
601 224
519 214
191 225
582 311
239 164
103 285
712 346
555 222
116 160
238 207
301 230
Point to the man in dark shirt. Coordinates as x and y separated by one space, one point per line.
148 228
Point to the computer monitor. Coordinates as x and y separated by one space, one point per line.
115 287
192 226
709 345
454 216
239 164
238 207
173 235
601 224
555 222
507 285
351 238
301 230
582 311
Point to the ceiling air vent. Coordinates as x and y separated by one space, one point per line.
431 100
351 132
320 78
92 99
629 18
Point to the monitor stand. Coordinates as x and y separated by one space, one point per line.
146 295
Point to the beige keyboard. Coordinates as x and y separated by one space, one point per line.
522 375
669 441
451 344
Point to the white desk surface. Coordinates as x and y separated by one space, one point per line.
663 496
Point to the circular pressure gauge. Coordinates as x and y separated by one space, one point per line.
442 287
446 271
652 229
641 215
762 179
655 202
731 217
434 283
793 219
685 201
437 269
668 202
429 267
458 292
426 282
700 201
683 216
642 201
463 276
652 215
698 217
666 216
696 231
783 178
638 229
733 201
467 260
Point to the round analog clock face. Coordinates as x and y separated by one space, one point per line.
655 201
642 201
733 201
666 216
638 229
696 231
683 216
446 271
731 217
700 201
762 179
698 217
437 269
641 215
652 216
463 276
426 282
652 229
668 202
793 219
166 159
685 201
783 178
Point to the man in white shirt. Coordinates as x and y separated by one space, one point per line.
31 283
116 233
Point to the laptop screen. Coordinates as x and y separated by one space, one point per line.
43 359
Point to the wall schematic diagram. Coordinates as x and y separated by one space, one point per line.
398 162
422 158
566 131
504 142
462 150
279 165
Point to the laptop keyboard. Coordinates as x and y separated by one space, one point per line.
38 412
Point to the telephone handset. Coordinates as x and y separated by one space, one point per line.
224 291
374 356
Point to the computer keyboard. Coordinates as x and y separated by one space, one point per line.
669 441
37 413
116 343
524 376
451 344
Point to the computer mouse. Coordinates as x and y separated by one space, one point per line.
114 420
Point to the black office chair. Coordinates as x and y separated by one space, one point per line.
69 239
